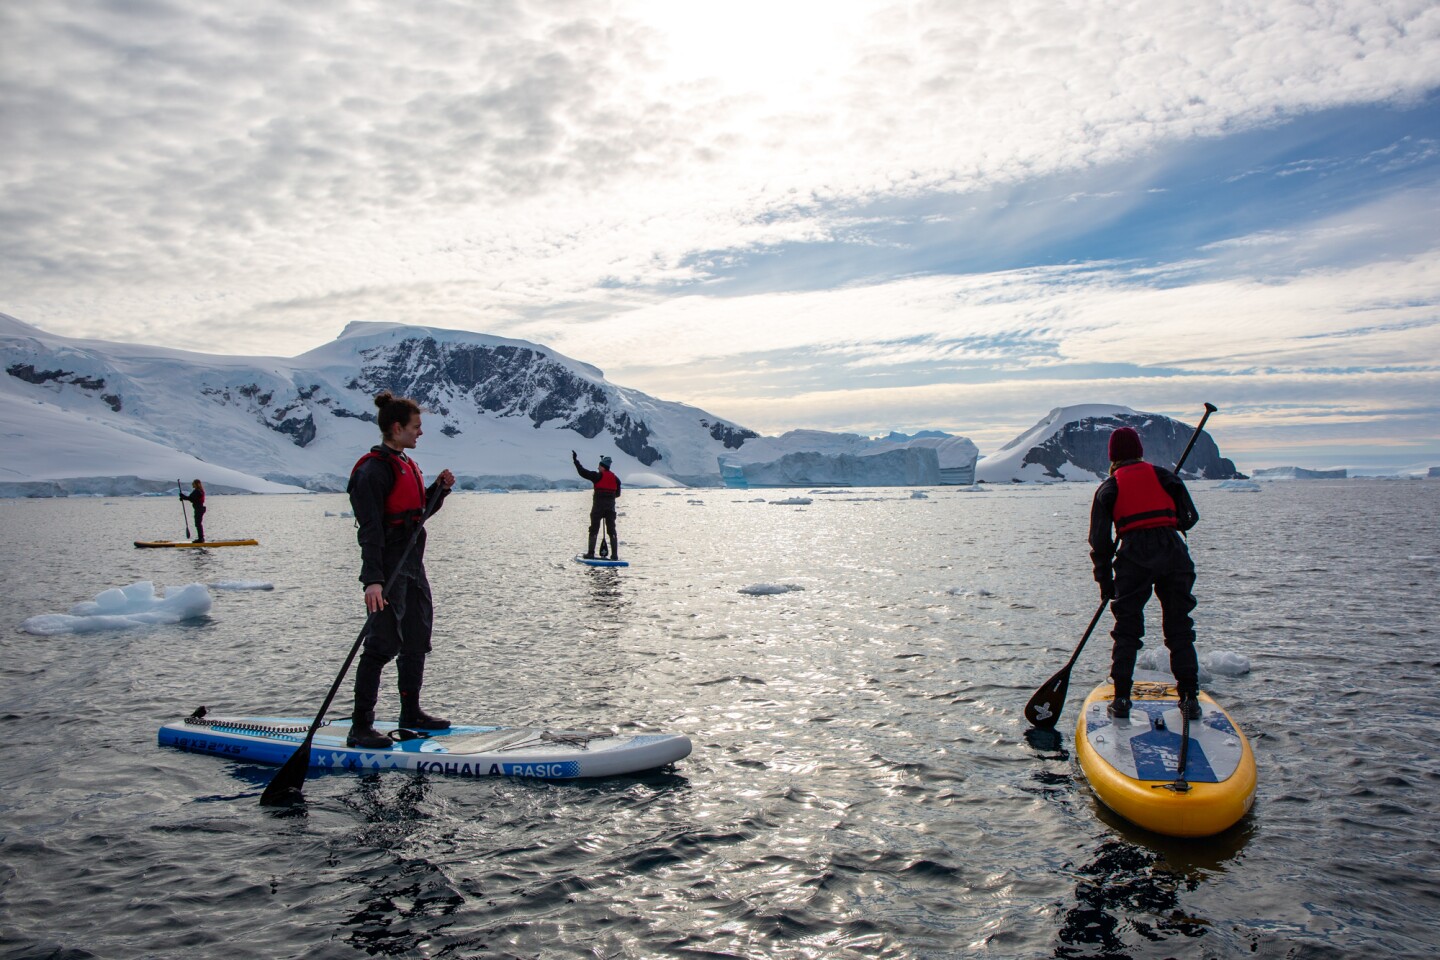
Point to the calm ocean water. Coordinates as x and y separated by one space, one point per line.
862 783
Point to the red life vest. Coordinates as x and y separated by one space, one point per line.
608 482
406 500
1140 501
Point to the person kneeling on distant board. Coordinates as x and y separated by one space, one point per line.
196 499
607 490
388 496
1149 508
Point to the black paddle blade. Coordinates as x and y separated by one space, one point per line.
287 788
1044 708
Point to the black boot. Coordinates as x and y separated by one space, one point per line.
590 550
414 718
1119 706
367 691
411 671
1190 704
363 733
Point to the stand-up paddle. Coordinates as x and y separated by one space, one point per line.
287 787
1045 705
181 490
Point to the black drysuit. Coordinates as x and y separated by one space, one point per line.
601 508
403 628
1153 558
197 500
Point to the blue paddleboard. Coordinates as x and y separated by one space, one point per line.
597 562
465 751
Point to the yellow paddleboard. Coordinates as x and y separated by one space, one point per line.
1132 764
183 544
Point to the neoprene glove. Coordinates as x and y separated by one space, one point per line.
1107 589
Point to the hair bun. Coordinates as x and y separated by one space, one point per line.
382 398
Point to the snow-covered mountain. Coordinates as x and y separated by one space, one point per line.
499 411
95 416
1071 443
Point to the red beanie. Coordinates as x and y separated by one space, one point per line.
1125 445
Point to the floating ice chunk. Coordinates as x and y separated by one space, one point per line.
969 592
793 502
342 513
123 609
1238 486
919 495
1219 662
241 585
764 589
1228 664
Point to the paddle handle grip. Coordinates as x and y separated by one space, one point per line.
1209 409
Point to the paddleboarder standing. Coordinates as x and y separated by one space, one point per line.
388 496
196 499
1149 508
602 507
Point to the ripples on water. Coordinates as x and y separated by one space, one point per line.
862 782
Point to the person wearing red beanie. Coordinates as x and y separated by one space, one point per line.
1149 508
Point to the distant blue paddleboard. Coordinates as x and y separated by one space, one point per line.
462 751
597 562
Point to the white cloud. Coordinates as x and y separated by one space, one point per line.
248 179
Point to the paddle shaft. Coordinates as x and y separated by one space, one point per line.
285 787
1045 706
183 516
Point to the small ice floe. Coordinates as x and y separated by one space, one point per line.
342 513
756 500
766 589
1219 662
124 608
969 592
696 503
543 509
919 495
1238 486
1227 664
792 502
241 585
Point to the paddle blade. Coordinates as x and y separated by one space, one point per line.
287 788
1044 708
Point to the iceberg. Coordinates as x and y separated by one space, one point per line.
901 467
1298 473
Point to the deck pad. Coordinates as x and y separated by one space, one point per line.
1147 745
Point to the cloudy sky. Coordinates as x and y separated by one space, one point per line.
859 216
